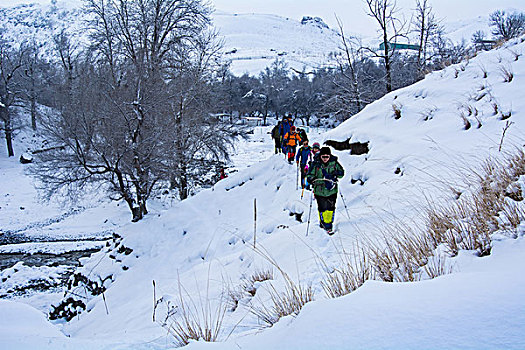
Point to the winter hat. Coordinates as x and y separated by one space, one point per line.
325 150
292 128
316 145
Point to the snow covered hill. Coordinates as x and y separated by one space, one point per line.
423 140
251 41
254 41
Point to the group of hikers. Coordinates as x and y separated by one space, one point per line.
320 169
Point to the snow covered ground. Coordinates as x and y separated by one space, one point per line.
201 249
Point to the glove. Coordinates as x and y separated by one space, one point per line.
331 177
330 181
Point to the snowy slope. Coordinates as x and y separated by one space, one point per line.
254 41
204 244
251 41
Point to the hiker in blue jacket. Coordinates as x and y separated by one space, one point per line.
303 159
284 129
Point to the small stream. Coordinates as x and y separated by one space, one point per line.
36 252
44 259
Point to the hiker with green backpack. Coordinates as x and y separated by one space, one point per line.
323 175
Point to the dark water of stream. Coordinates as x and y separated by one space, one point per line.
44 259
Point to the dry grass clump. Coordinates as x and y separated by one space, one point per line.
466 123
285 303
506 73
189 320
354 271
407 253
437 266
469 223
397 111
399 255
248 283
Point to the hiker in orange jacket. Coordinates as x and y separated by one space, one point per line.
292 139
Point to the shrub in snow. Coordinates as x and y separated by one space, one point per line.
507 26
67 309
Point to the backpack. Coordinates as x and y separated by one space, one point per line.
275 131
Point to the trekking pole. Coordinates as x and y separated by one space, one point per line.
344 203
309 213
297 178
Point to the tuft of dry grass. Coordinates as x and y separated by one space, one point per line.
470 222
467 224
507 73
466 123
289 301
248 283
234 296
400 254
191 320
285 303
506 115
354 271
484 71
397 111
437 266
511 216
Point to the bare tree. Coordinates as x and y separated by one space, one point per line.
391 28
196 142
12 61
507 26
426 26
348 68
148 69
33 80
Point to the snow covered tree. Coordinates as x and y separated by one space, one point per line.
135 114
274 83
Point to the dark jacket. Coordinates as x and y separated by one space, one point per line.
324 176
276 131
285 127
303 134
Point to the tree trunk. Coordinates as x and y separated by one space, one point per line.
8 131
183 187
33 110
135 209
388 68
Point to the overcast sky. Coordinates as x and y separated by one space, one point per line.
351 12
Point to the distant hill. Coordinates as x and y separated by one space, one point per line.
251 41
